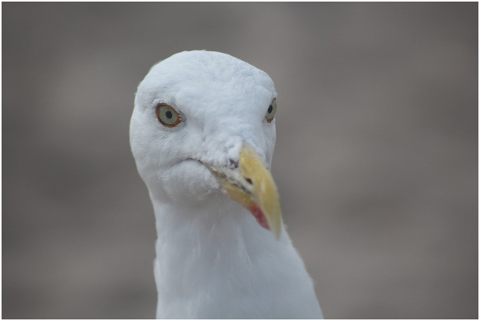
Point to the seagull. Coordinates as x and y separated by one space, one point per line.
202 134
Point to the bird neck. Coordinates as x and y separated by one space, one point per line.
215 261
210 251
213 230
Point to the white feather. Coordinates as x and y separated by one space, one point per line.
213 259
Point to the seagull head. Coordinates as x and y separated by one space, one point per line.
203 126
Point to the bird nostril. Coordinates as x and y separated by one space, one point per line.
233 163
249 180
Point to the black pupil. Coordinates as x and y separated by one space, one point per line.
270 109
168 114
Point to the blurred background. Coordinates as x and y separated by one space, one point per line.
376 156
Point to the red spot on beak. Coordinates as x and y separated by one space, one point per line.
258 214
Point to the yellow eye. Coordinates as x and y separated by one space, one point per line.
167 115
272 109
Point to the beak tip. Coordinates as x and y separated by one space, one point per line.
277 229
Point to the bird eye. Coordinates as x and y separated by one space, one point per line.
272 109
167 115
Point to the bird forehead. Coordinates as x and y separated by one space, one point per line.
222 99
203 75
209 66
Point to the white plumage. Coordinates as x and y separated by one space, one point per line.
213 259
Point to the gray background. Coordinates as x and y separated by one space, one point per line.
376 156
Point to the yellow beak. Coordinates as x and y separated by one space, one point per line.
252 186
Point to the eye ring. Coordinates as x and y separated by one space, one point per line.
271 110
167 115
